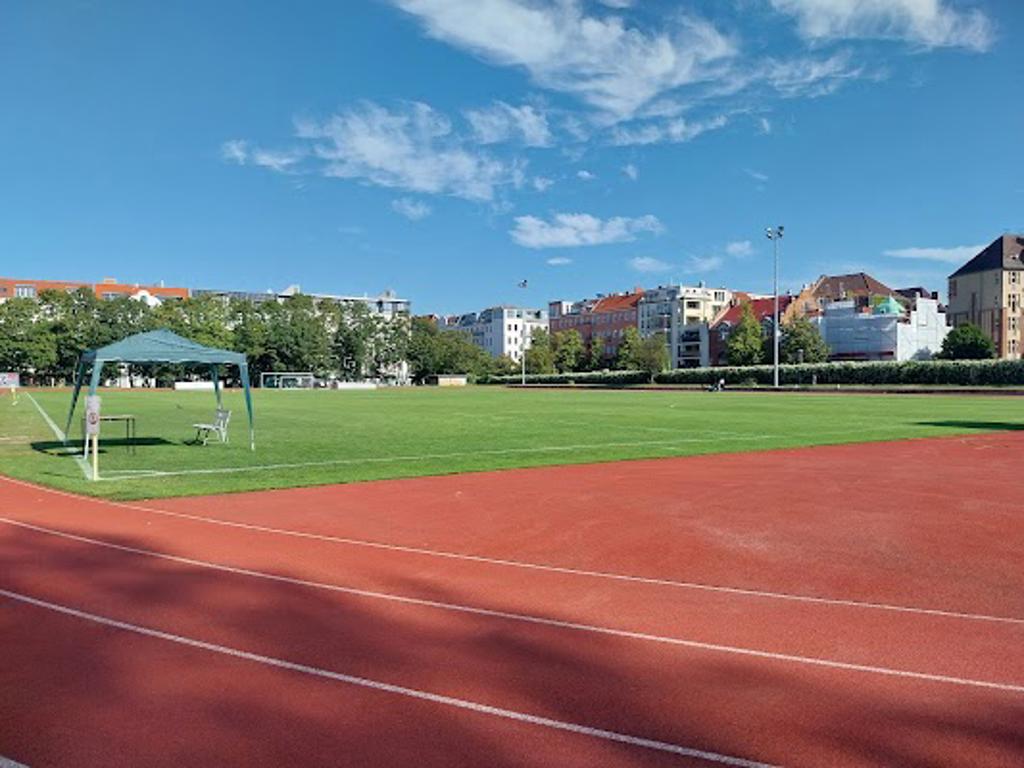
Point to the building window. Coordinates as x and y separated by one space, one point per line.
1013 277
25 291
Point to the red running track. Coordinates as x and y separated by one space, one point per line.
854 605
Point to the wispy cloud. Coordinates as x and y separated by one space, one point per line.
739 248
585 175
765 126
700 264
502 122
955 255
579 229
610 64
649 265
559 261
235 151
756 175
413 147
414 210
931 23
631 171
541 183
673 131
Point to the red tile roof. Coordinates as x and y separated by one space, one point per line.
763 308
617 302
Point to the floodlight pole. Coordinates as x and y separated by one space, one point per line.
775 234
522 344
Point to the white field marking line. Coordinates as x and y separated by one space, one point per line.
113 475
756 593
414 693
59 434
530 619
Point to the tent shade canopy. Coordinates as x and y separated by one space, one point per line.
161 346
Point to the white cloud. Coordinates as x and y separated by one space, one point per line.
955 255
610 65
631 171
542 183
559 261
501 122
235 151
620 4
756 175
765 125
411 148
649 264
275 160
577 229
585 175
739 248
414 210
931 23
698 264
674 131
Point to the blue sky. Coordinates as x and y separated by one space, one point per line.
449 148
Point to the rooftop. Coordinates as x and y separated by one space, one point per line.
1002 253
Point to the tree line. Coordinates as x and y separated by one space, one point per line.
43 337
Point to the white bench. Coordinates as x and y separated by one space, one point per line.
219 427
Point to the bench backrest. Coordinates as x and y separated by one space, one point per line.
223 417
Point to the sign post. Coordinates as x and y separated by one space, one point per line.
92 432
11 381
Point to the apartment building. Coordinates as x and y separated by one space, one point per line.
603 318
987 291
684 314
386 304
107 288
763 308
500 331
858 287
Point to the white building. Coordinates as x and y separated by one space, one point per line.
501 330
885 332
683 313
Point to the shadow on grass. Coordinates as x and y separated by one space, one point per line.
986 426
74 447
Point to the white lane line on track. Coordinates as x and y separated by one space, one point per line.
140 474
541 567
530 619
59 434
414 693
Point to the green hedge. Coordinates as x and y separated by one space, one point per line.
911 372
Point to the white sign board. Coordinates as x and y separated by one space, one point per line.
92 415
9 380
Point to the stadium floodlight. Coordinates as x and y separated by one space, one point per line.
775 234
522 343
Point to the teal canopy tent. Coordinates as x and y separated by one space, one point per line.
161 347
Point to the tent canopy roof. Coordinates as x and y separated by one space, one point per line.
161 346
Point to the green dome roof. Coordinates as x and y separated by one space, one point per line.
888 306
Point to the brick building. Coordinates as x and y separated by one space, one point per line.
604 318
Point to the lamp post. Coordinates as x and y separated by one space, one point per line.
522 344
775 234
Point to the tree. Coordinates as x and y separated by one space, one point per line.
540 357
967 342
595 360
744 346
651 355
630 341
568 350
802 343
26 343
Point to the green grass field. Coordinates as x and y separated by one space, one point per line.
315 437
